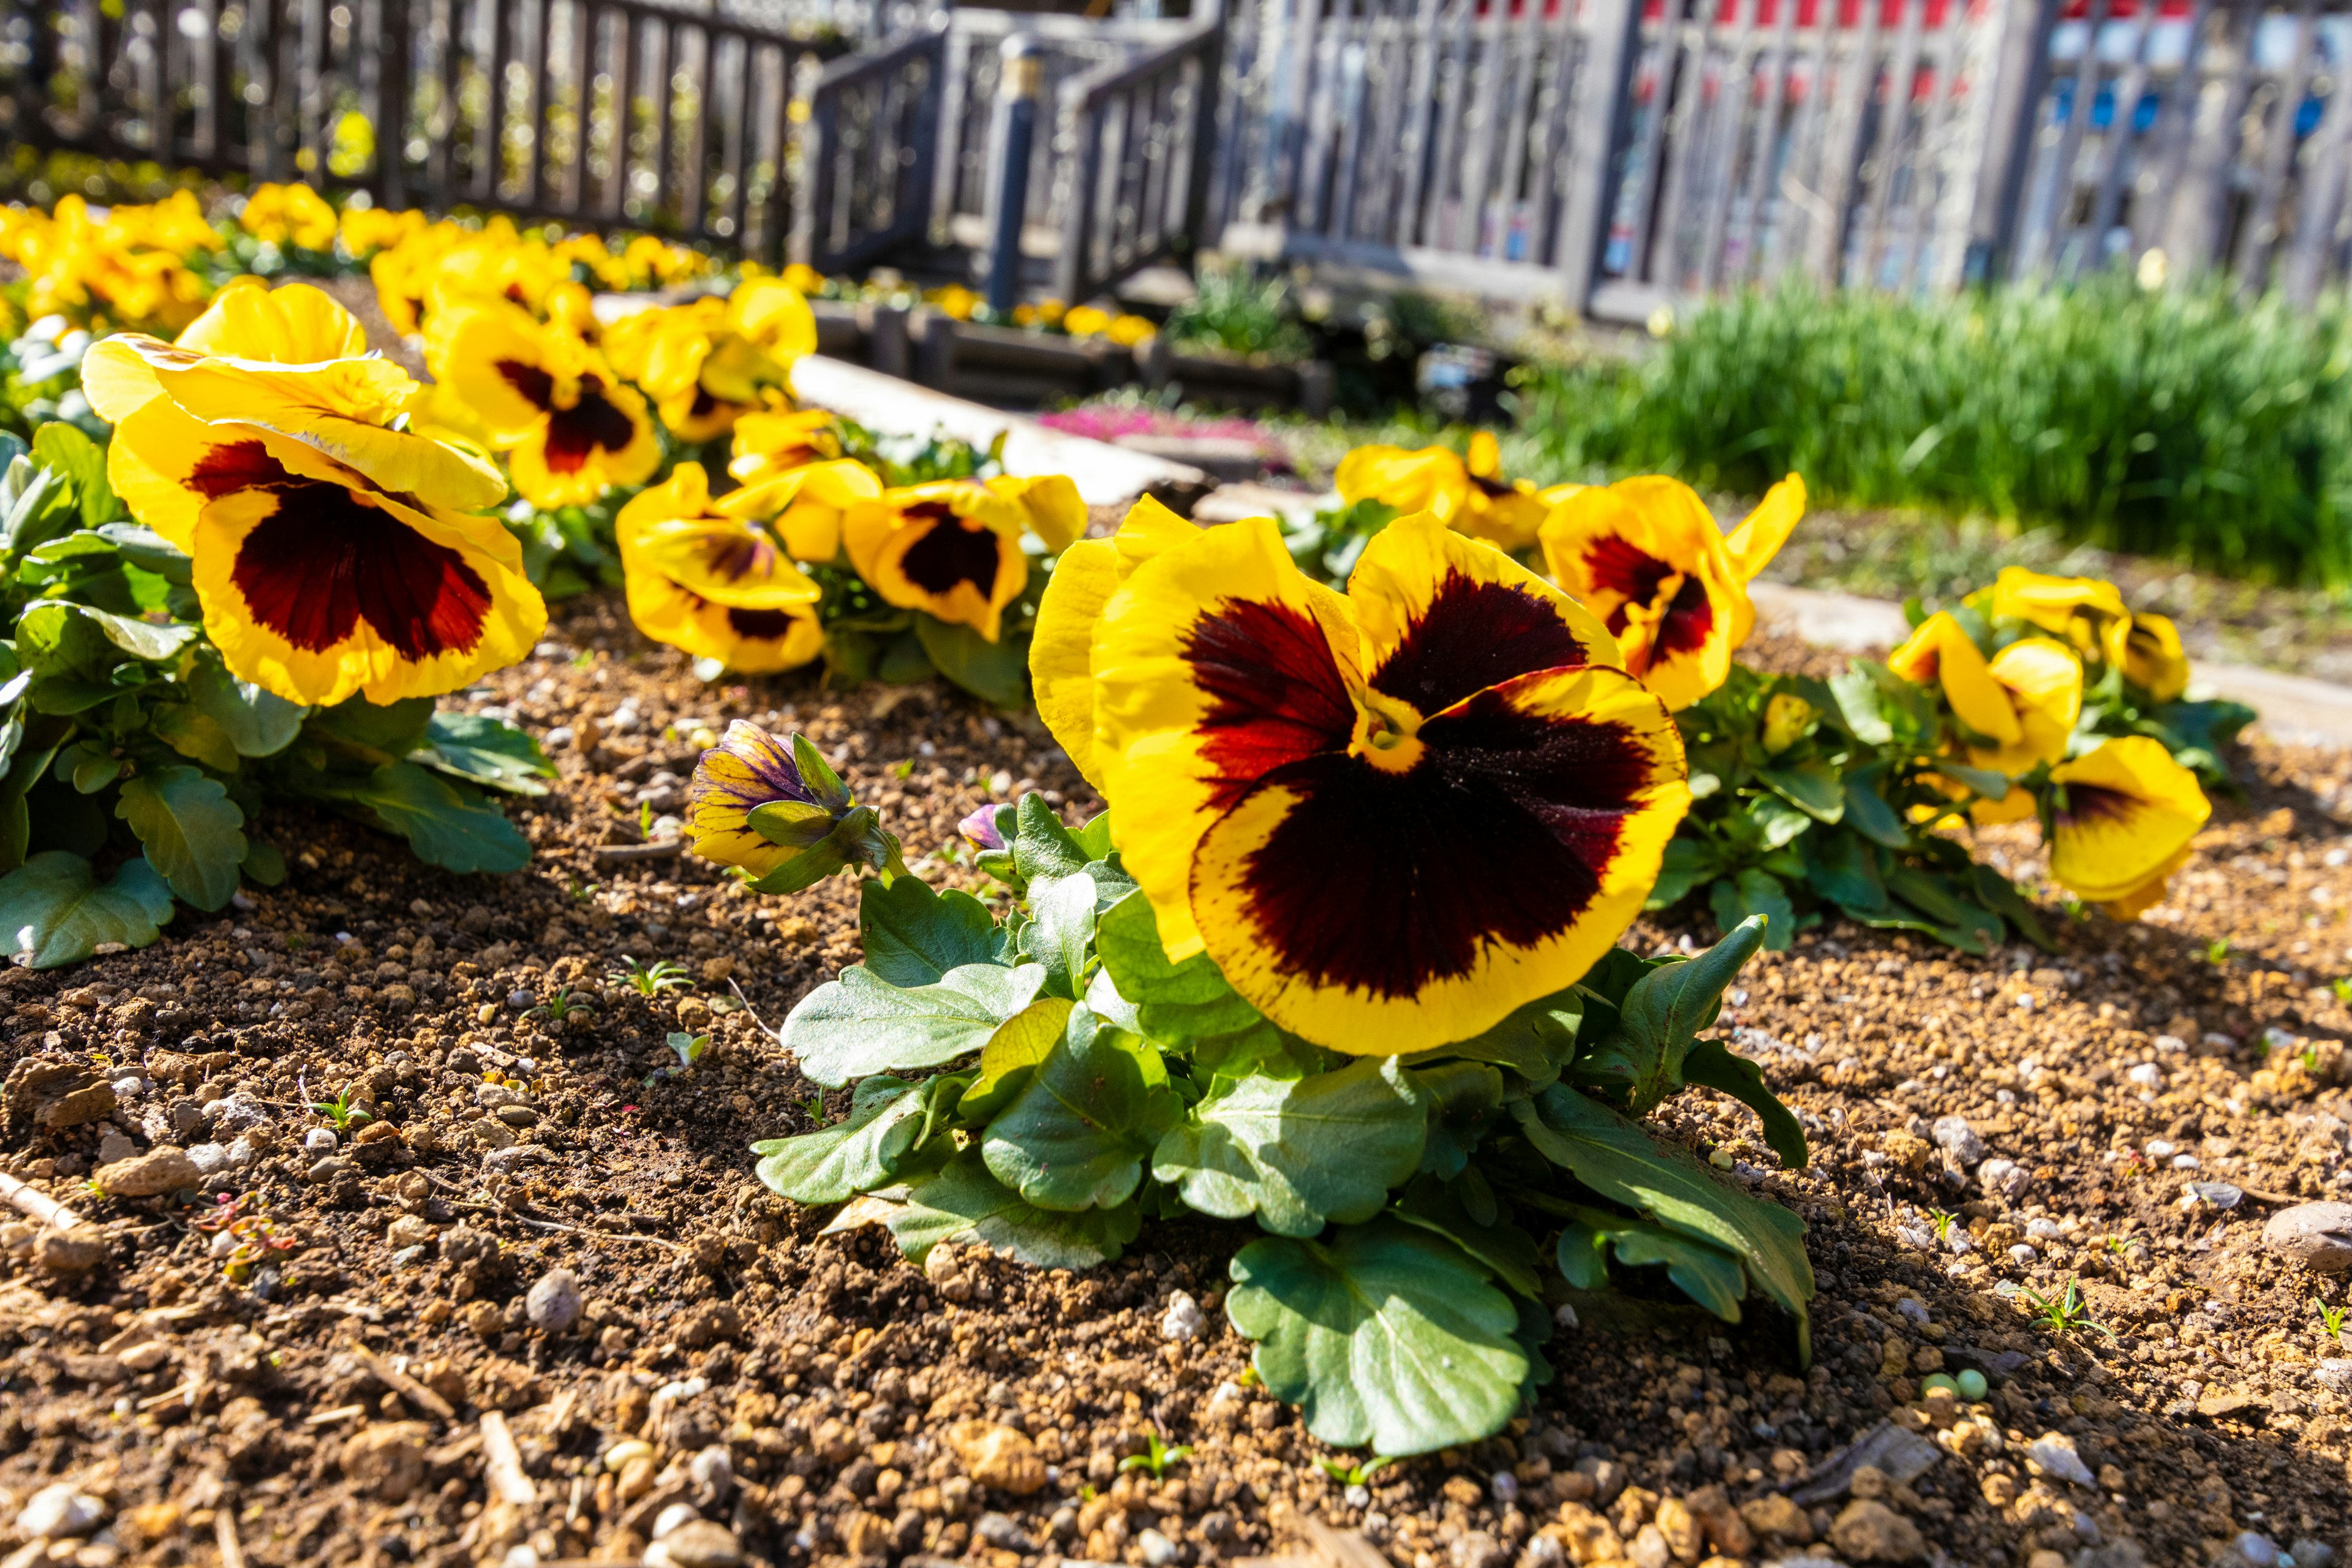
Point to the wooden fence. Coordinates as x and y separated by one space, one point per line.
599 112
1620 156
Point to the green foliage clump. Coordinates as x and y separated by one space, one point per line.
125 741
1040 1077
2181 424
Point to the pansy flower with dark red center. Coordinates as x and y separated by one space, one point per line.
1389 817
767 446
571 428
330 555
1647 557
1468 492
2121 821
952 548
714 579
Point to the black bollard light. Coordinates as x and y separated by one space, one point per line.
1019 84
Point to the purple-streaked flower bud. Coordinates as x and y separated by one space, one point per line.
980 829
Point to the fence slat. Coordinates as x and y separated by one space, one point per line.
2260 234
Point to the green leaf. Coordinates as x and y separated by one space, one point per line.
1867 811
1665 1009
1985 782
913 936
1842 868
1707 1274
1858 700
264 866
194 833
1813 788
995 672
65 447
1093 837
1508 1252
1011 1055
383 733
1755 892
150 551
190 730
1711 1063
1388 1337
1041 845
1077 1136
1998 894
1534 1040
1779 821
1689 862
446 823
853 1155
862 1024
1616 1159
1464 1099
1061 931
257 722
964 1200
1173 1001
1299 1153
492 754
55 910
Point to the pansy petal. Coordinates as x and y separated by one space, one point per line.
296 323
1215 663
1062 646
1378 911
748 769
2127 810
319 592
952 550
751 640
1444 616
1755 542
1940 651
1429 479
2052 603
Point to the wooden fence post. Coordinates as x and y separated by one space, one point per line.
1609 51
2023 81
391 104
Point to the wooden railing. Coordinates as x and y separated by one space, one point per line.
1131 143
600 112
869 157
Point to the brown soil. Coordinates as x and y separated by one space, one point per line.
817 1399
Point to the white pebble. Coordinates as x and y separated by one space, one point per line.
320 1140
1159 1551
2023 1254
210 1158
673 1516
60 1510
1183 1319
2054 1452
2147 1075
2161 1149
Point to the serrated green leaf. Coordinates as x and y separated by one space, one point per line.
259 723
963 1200
149 552
856 1155
1300 1152
1041 845
1077 1133
861 1024
446 823
1190 999
1664 1010
191 732
1711 1063
1061 932
1388 1337
193 833
54 911
485 752
1011 1054
1707 1274
1617 1159
914 936
1858 699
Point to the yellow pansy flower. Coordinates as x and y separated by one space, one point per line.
953 548
1392 816
569 428
713 579
2122 820
1646 554
1464 492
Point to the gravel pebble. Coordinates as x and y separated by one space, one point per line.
59 1510
2317 1235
